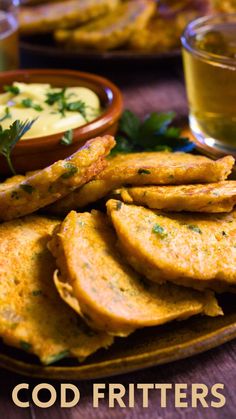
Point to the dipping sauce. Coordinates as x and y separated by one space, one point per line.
56 109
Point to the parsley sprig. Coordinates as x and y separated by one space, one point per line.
10 136
155 133
64 105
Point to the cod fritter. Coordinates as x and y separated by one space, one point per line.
47 185
32 315
196 250
162 33
146 168
62 14
211 197
99 285
113 30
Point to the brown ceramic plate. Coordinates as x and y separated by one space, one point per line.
33 154
144 348
41 47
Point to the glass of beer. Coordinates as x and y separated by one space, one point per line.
209 56
9 46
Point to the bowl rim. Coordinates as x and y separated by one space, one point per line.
109 116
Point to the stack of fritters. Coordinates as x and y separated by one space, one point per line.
69 285
139 25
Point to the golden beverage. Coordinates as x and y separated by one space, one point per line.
9 53
209 54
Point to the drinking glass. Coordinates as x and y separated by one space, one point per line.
209 56
9 45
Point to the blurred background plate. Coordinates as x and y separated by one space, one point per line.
40 52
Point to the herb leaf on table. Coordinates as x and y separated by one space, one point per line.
155 133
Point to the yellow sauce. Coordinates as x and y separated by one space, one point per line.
30 103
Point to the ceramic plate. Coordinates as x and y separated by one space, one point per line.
144 348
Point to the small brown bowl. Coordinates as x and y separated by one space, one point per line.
36 153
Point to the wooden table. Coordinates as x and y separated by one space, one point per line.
150 89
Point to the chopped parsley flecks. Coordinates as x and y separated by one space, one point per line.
28 103
25 345
36 293
71 170
159 231
12 89
27 188
118 205
55 97
144 172
194 228
61 100
67 138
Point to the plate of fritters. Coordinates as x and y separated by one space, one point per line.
112 263
106 30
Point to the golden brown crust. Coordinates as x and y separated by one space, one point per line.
196 250
47 185
32 315
211 197
147 168
95 281
114 29
62 14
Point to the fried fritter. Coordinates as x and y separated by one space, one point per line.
211 197
63 14
114 29
161 34
147 168
48 185
196 250
226 6
32 315
95 281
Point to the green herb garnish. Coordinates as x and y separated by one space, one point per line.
71 170
7 114
194 228
78 106
57 357
35 293
28 103
25 345
27 188
118 205
155 133
10 136
67 138
63 105
144 172
12 89
52 98
159 230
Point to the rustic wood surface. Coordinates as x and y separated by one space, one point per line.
145 90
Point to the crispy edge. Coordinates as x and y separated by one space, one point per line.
144 266
93 34
174 198
115 176
55 181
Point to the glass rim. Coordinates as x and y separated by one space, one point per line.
200 22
